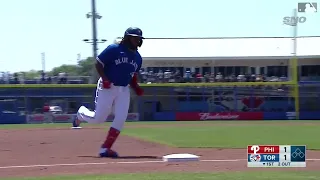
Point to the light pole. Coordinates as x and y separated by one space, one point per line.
78 57
43 61
91 41
294 61
94 75
295 33
294 64
94 43
94 16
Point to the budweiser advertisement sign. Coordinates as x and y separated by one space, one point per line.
195 116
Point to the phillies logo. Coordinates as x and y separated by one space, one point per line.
255 149
252 102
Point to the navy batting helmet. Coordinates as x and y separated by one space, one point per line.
134 31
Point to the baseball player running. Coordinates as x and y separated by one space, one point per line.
117 66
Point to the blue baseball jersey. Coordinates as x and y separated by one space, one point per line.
119 63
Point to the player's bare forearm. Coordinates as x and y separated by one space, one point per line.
99 69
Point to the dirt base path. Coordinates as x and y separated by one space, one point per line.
44 152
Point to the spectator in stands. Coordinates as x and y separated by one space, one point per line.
198 77
259 78
206 77
143 75
49 80
253 78
219 77
247 76
212 77
150 77
187 76
241 78
16 78
62 78
167 75
2 78
233 78
177 76
160 76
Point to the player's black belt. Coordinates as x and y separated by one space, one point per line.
120 85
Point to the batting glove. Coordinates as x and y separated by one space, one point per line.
135 86
106 84
139 91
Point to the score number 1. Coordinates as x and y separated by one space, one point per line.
285 152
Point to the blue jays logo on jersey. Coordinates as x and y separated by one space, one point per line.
126 60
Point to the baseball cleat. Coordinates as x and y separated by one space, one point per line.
76 122
108 153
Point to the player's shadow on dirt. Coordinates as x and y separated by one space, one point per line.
126 157
138 157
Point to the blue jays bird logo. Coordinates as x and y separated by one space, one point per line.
255 158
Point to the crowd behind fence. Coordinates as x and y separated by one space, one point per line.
152 77
148 77
189 77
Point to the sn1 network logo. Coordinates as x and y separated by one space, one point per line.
307 7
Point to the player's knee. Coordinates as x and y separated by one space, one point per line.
98 119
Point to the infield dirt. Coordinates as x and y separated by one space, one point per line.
66 152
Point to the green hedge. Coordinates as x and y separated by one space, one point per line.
147 85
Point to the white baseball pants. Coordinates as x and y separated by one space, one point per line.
117 97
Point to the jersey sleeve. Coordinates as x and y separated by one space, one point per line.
107 55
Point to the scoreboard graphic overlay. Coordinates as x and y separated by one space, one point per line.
276 156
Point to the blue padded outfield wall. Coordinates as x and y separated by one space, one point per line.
172 103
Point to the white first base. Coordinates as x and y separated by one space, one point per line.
180 157
76 127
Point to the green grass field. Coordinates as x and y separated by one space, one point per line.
231 134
